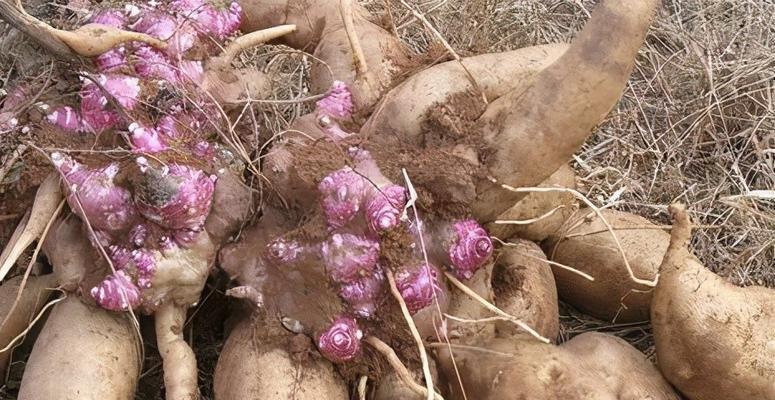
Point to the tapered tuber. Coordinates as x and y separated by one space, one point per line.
590 366
33 297
524 287
585 244
93 353
713 340
254 364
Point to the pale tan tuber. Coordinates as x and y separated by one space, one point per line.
83 353
714 340
590 366
524 287
255 364
585 244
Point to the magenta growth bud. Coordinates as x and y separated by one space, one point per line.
152 63
348 257
283 250
116 292
146 139
338 102
418 286
114 18
111 59
471 250
342 193
66 118
145 263
94 105
177 197
362 294
211 19
384 208
108 207
341 342
157 24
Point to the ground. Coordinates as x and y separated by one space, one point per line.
696 124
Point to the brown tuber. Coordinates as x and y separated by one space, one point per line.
524 287
714 340
590 366
586 245
254 364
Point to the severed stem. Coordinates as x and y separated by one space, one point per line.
90 40
179 362
249 40
415 334
399 367
346 9
465 289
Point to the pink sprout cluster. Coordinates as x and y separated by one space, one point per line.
126 70
168 206
131 226
360 206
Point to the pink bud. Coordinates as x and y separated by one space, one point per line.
348 257
471 250
418 286
157 24
152 63
176 198
384 208
191 70
342 193
108 207
138 234
284 250
95 113
145 263
120 256
66 118
211 19
109 17
338 103
363 293
146 139
341 342
116 292
111 59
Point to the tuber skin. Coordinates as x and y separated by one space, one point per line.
586 245
179 361
254 364
537 205
524 287
589 366
83 353
714 340
36 291
556 111
496 74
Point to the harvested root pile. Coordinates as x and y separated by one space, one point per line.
407 236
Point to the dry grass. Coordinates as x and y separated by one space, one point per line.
696 123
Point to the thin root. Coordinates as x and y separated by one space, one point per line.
578 195
465 289
400 368
415 334
346 9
